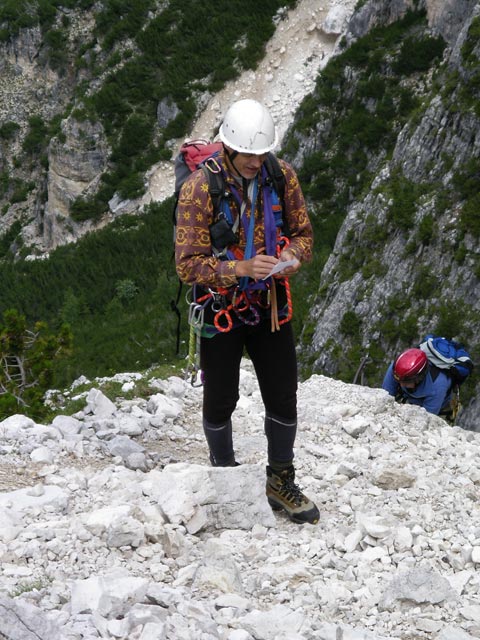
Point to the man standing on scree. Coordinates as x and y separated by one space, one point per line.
228 258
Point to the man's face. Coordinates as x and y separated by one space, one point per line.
409 385
248 164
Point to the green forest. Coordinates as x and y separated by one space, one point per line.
113 288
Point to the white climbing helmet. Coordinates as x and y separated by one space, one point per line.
248 127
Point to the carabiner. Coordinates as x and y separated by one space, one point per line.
196 314
212 165
218 301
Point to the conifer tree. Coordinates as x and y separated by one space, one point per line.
27 358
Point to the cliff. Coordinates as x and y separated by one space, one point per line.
406 258
386 146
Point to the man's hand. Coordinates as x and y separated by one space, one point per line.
257 267
286 255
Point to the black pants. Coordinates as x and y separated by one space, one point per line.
274 359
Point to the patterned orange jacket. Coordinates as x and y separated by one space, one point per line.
195 262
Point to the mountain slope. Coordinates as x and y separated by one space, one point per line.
84 280
385 146
405 261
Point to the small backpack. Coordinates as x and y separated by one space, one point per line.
192 156
448 355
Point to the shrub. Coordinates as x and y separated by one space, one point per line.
121 20
388 329
373 267
460 253
132 186
9 236
466 179
426 229
374 87
20 192
425 285
418 54
351 324
402 210
16 15
470 216
361 127
111 106
56 41
471 42
135 138
126 290
86 209
26 357
407 103
451 320
407 328
374 232
8 130
36 136
4 182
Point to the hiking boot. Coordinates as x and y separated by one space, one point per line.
283 493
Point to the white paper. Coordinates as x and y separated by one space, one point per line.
280 266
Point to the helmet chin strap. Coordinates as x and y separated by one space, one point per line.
231 155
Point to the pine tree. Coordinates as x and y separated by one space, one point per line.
26 363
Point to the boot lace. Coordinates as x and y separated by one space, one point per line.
292 491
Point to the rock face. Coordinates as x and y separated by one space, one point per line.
448 17
445 17
23 84
441 131
31 88
76 163
428 150
27 89
77 156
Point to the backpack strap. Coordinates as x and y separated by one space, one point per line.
277 178
216 189
184 166
276 174
216 184
434 371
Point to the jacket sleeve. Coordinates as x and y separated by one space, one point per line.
193 249
300 228
389 382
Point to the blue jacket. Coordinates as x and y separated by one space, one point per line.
433 393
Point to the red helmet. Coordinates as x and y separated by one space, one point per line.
411 366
